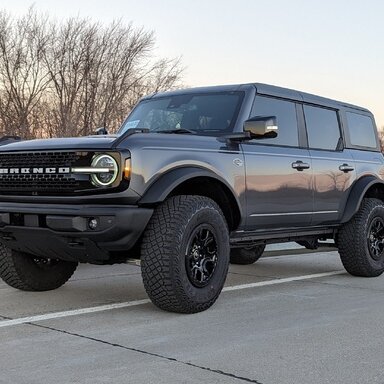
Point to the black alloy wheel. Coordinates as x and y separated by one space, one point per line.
44 263
185 254
361 240
201 257
375 238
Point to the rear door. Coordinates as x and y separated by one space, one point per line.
333 166
278 171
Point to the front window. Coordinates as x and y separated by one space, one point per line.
211 114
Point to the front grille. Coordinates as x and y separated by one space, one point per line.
37 183
36 159
43 183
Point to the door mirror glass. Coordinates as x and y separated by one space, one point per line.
262 127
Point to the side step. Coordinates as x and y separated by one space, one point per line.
309 236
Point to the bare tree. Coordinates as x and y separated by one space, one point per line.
62 79
381 138
23 76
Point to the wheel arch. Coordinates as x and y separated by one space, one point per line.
195 181
367 186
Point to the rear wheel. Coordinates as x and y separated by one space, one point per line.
361 240
245 256
185 254
31 273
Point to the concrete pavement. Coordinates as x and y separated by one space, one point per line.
318 330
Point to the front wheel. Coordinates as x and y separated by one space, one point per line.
31 273
361 240
185 254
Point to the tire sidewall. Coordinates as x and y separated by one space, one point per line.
23 273
377 211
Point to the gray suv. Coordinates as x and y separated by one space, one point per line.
193 180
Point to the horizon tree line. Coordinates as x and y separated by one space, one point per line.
67 78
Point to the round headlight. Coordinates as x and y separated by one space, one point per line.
108 170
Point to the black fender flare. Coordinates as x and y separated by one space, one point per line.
158 191
356 195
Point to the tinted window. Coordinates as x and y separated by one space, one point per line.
285 111
322 128
361 130
207 114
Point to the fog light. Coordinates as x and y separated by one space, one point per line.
93 223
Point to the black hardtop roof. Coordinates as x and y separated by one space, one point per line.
265 89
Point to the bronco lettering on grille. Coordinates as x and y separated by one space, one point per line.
37 170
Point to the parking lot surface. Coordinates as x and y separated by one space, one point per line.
286 319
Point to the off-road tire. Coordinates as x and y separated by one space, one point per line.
164 254
246 256
354 240
29 273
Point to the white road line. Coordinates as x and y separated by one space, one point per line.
108 307
74 312
280 281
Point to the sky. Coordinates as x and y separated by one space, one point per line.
333 48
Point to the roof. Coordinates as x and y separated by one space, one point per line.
302 96
264 89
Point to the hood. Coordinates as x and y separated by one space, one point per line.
87 142
107 142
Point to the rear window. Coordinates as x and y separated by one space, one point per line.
361 130
322 128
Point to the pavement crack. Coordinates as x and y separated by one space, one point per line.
171 359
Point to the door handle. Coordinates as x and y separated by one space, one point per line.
299 165
346 168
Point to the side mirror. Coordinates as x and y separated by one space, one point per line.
101 131
262 127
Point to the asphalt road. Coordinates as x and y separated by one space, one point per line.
277 324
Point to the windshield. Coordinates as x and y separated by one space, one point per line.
210 114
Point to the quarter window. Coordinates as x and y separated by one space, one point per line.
322 128
361 130
285 112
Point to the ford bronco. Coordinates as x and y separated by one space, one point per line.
193 180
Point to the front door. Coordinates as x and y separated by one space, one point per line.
279 191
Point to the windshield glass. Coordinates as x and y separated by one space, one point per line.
210 114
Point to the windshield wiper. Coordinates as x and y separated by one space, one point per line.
180 130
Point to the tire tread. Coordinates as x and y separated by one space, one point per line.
161 275
20 273
352 242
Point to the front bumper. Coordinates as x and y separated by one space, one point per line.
64 231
